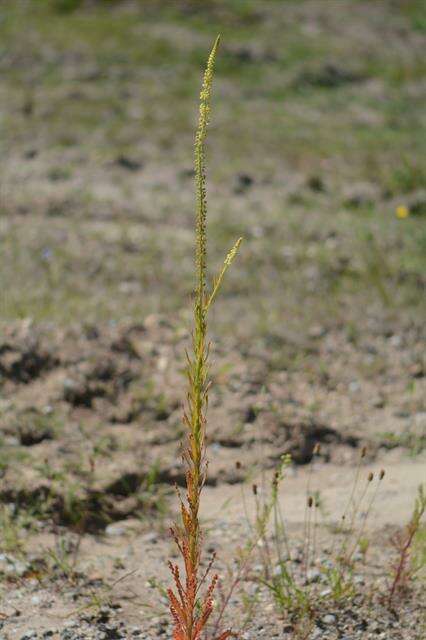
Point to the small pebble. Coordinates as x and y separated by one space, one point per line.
314 575
115 530
329 619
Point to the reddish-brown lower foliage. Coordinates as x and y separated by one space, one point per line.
184 604
403 544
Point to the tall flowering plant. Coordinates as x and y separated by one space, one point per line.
191 598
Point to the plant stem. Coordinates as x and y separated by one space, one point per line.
190 610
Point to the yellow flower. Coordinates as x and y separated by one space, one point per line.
402 211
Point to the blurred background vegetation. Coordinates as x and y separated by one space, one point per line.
316 156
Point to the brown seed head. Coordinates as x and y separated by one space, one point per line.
381 474
254 489
310 502
370 476
276 477
238 465
363 452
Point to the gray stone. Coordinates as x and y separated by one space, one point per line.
329 619
115 530
313 575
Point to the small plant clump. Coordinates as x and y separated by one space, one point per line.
299 594
191 609
402 570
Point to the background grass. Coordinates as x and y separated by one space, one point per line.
317 137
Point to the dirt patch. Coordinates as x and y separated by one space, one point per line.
98 421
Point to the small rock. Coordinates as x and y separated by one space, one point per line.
71 624
329 619
313 575
362 626
115 530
